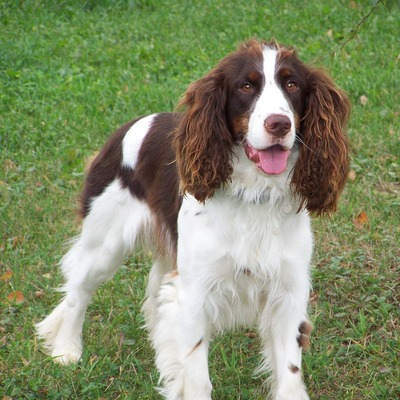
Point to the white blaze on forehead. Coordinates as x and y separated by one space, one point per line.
269 66
272 96
272 100
133 141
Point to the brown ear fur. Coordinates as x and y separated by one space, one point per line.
203 144
322 168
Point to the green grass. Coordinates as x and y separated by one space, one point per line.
73 71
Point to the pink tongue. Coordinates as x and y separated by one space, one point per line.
272 161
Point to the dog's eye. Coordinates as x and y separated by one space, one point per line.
291 87
247 87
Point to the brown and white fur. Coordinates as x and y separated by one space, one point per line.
221 193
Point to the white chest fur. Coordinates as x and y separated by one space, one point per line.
235 253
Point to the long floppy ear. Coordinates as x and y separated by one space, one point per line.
322 168
202 141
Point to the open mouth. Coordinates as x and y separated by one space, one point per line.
271 161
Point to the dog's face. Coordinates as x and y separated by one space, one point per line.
265 104
265 99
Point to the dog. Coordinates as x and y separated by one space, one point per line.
221 192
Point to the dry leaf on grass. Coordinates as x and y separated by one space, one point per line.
363 100
6 276
361 219
16 297
352 175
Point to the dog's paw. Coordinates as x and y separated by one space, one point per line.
66 356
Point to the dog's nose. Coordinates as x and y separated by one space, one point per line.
277 125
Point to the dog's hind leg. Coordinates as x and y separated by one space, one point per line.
109 232
150 305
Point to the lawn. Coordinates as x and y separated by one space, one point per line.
72 71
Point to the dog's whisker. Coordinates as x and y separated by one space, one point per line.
300 140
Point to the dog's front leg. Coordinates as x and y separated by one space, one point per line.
285 331
180 339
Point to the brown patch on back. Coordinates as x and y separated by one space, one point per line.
153 180
103 169
157 177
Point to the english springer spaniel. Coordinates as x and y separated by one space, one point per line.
221 193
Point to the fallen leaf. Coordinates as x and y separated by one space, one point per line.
330 34
6 276
9 165
352 175
361 219
14 242
16 297
363 100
